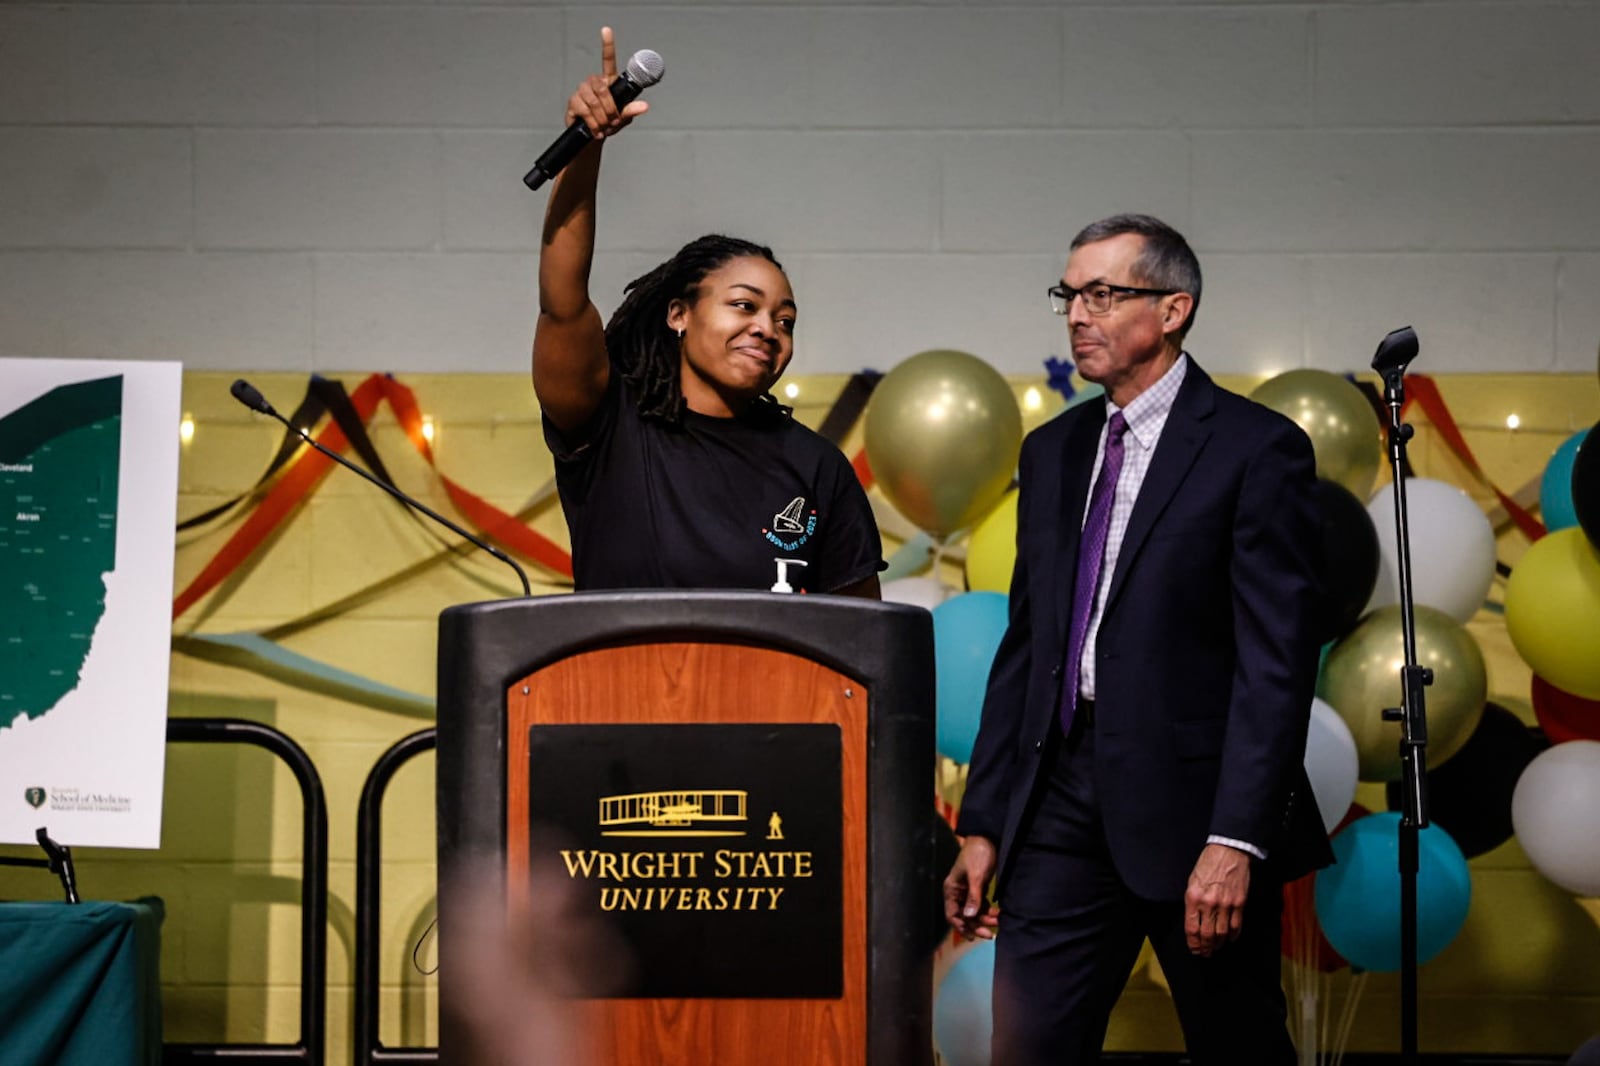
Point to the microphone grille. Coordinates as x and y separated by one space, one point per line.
646 68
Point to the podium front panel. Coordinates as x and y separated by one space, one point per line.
692 689
707 850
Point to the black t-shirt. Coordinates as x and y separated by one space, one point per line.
713 503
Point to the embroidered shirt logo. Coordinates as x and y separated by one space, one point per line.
788 519
794 522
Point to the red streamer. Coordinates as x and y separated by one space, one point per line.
863 469
304 474
495 523
284 497
1425 392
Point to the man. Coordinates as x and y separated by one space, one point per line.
1137 772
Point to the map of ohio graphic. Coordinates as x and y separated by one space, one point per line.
59 462
88 505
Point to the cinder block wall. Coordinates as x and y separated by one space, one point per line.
335 185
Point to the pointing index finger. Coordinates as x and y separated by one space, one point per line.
608 53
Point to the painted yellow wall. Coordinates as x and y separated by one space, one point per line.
1524 975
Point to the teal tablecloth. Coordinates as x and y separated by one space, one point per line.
80 984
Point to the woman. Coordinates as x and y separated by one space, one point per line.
675 465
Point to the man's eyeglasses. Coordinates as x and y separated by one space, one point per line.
1098 296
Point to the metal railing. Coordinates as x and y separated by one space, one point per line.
312 1045
369 1050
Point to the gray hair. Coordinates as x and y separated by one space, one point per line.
1167 261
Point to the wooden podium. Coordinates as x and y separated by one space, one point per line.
736 783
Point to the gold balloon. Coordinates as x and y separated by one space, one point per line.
1342 425
1362 677
942 434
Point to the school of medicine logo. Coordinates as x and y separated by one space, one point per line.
794 522
35 797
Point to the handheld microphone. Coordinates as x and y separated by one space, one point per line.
251 397
644 70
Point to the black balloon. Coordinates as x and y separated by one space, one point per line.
1586 485
1469 796
1348 564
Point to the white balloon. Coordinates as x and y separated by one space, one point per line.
1332 763
924 592
1553 811
1452 548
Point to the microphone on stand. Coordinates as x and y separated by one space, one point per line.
644 70
251 397
1396 351
1394 354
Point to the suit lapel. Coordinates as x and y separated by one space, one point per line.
1182 439
1077 464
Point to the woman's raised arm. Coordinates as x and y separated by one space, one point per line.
570 368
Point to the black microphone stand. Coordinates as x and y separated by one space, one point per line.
1393 356
58 861
251 397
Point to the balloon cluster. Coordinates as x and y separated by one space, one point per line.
1338 918
1552 601
1489 775
942 435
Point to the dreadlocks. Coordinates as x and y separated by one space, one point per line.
637 338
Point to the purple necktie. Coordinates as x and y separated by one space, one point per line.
1091 556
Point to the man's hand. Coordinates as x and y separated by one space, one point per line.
1213 905
964 890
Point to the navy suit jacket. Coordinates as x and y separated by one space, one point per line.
1205 659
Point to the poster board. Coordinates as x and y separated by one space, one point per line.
88 495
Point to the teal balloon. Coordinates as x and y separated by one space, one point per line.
1358 897
963 1010
966 633
911 557
1555 488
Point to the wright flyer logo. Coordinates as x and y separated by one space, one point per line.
714 851
673 814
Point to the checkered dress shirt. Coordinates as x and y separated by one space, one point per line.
1146 416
